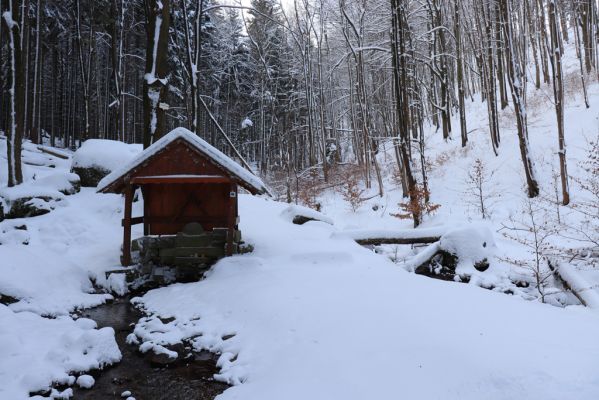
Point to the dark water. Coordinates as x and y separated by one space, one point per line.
188 378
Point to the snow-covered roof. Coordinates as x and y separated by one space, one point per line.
247 178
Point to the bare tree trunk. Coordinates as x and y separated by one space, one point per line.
399 25
580 61
460 71
11 14
34 132
517 82
555 49
155 79
85 72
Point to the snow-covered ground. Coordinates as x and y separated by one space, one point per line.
309 313
316 316
48 265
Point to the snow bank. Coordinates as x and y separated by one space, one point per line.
66 248
38 351
105 154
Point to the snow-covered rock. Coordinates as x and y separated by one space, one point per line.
473 245
66 183
29 200
38 196
97 158
86 381
299 215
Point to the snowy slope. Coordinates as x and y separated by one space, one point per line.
320 317
449 166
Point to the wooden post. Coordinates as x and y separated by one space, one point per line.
231 218
145 192
126 257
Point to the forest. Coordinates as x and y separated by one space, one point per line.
294 88
299 199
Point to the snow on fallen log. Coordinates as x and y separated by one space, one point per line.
422 258
404 236
578 285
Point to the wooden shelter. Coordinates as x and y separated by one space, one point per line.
183 180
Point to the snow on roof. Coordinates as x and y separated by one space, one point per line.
199 144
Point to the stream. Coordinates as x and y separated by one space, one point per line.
187 378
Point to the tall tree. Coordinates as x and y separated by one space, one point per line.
155 85
14 22
555 48
517 81
400 83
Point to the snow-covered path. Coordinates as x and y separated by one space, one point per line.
323 318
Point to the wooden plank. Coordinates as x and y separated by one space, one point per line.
182 219
177 205
175 179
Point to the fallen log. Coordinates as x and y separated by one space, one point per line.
407 236
574 282
53 152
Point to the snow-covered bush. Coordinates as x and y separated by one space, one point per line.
351 190
587 208
479 192
533 230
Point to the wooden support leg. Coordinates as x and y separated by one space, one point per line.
231 218
126 257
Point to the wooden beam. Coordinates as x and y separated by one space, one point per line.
174 179
126 256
